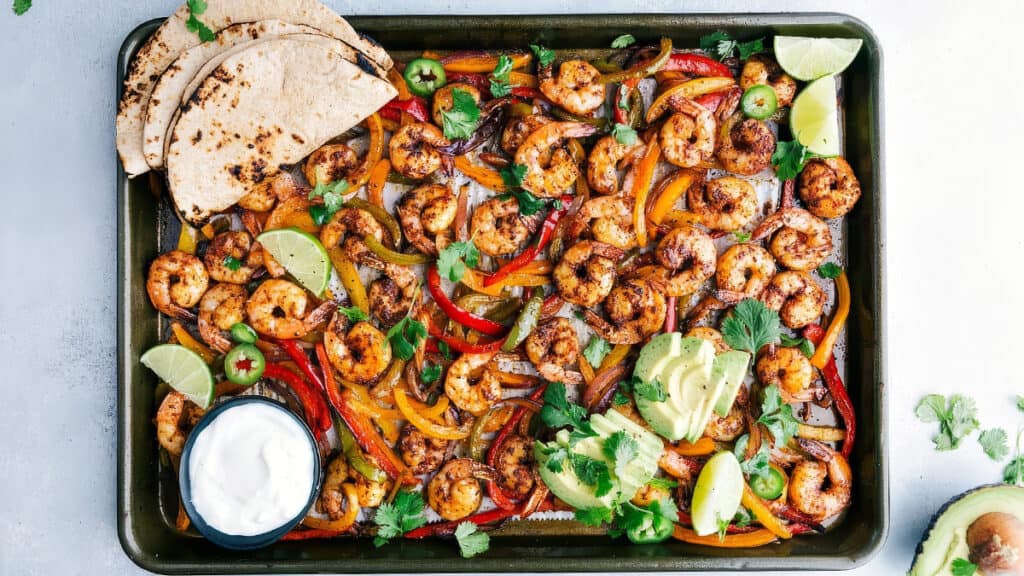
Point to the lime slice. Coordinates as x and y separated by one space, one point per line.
810 58
183 369
815 117
716 497
302 256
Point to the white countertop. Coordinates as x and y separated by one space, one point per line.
953 151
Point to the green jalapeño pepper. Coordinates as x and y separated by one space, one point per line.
243 333
526 321
244 364
759 101
644 526
768 486
424 76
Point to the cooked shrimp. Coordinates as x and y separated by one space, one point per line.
763 69
514 465
176 282
221 307
688 136
429 208
421 453
454 492
745 269
517 129
471 384
586 273
636 309
745 146
266 194
610 220
575 87
359 354
711 335
498 229
649 493
394 293
802 241
552 346
796 296
788 369
280 309
330 163
829 187
551 178
175 418
689 254
412 150
729 427
807 491
370 493
332 499
350 221
727 203
602 164
443 101
227 257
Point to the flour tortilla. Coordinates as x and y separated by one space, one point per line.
263 109
173 37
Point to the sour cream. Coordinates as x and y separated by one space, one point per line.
251 470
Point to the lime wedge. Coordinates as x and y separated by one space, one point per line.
183 369
716 497
302 256
815 117
810 58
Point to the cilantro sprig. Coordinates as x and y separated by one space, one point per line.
652 390
499 77
778 417
803 344
471 540
431 372
453 260
829 270
624 134
405 513
751 326
513 176
232 263
994 443
623 41
544 56
353 314
962 567
596 350
333 196
957 417
461 120
789 158
758 464
21 6
193 24
722 45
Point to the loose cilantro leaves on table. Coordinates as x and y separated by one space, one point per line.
961 567
778 417
406 336
596 350
471 540
957 418
1013 473
829 270
623 41
751 326
460 122
333 198
21 6
499 77
789 158
405 513
453 260
232 263
803 344
195 8
544 56
993 442
721 45
353 313
624 134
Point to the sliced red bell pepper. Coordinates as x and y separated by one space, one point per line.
478 81
527 93
712 100
840 395
697 64
460 345
313 404
415 107
312 534
499 495
620 114
448 528
670 315
296 353
547 231
452 310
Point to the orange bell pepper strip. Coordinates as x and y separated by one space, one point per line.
188 341
587 370
375 185
616 356
701 447
423 424
748 540
763 514
821 433
398 81
350 279
522 79
374 153
689 90
824 350
641 189
482 175
343 523
670 190
188 239
482 63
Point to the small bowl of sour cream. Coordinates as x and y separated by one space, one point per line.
250 471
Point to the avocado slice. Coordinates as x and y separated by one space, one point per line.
732 366
946 537
658 352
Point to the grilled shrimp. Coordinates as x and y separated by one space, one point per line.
602 164
175 418
394 293
688 136
514 465
228 259
550 178
359 354
763 69
711 335
796 296
413 150
552 346
788 369
280 309
517 129
176 282
332 494
266 194
575 87
727 203
729 427
636 309
221 307
421 453
610 220
689 255
649 493
330 163
471 384
369 493
350 221
430 208
586 273
745 146
443 100
498 229
454 492
829 187
807 491
745 269
802 241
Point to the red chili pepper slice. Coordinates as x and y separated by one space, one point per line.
840 395
464 317
547 231
711 101
460 345
311 534
478 81
448 528
670 314
295 352
312 401
498 494
697 64
415 107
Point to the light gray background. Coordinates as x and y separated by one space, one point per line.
953 87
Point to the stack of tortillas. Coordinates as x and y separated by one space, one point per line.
280 79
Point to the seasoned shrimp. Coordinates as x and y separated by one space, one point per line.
745 146
221 307
228 259
727 203
517 129
575 87
745 269
711 335
394 293
429 208
636 309
421 453
763 69
829 187
443 101
586 273
332 495
552 346
550 179
176 282
330 163
689 254
497 227
514 465
649 493
802 241
610 220
471 383
729 427
788 369
266 194
796 296
370 494
350 221
454 492
280 309
359 354
688 136
807 483
602 164
413 150
175 418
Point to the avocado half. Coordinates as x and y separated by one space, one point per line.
946 537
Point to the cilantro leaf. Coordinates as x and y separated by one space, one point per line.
513 175
719 43
528 203
445 350
829 270
353 313
758 464
778 417
556 456
623 102
789 158
1020 403
596 350
931 408
431 372
957 417
742 518
620 399
460 122
993 442
332 195
405 513
624 134
803 344
748 49
623 41
499 77
592 472
723 527
453 260
471 540
232 263
544 56
621 449
662 483
1013 473
653 390
741 236
751 326
961 567
21 6
406 336
196 8
558 412
594 516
